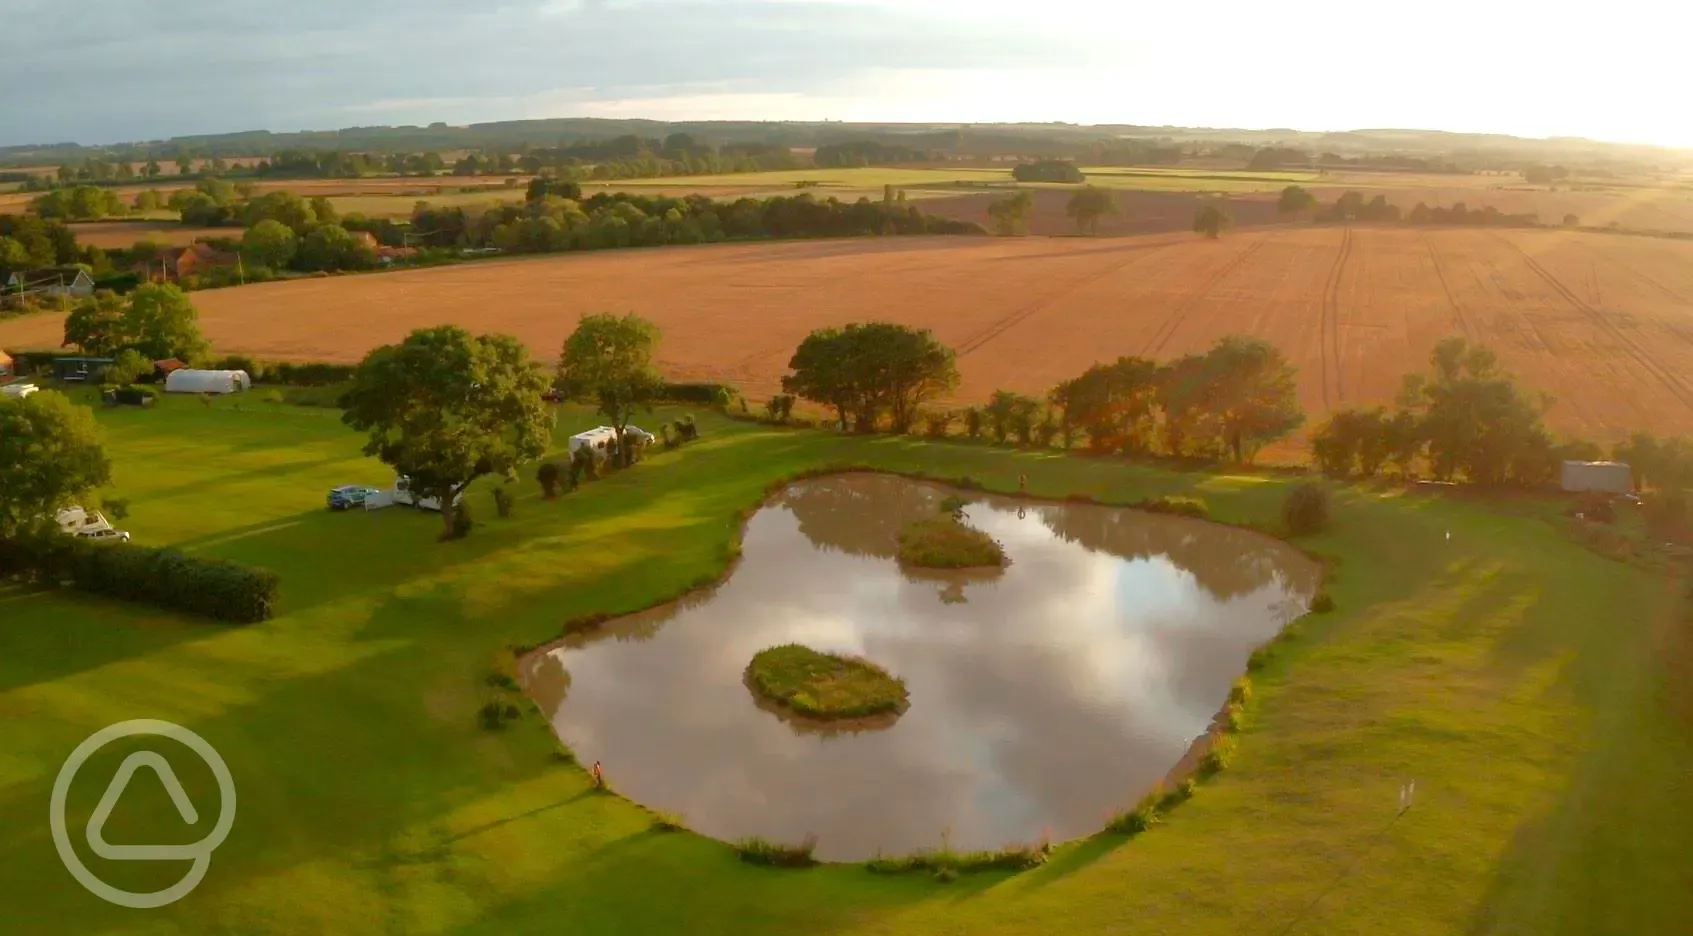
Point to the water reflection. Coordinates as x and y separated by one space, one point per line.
1042 695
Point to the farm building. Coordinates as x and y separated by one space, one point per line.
73 369
188 380
73 282
1610 477
174 263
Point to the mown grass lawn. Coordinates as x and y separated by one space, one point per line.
1516 677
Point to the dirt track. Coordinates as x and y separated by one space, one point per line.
1605 323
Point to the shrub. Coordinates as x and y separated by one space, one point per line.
502 502
548 476
937 423
128 367
1323 603
163 578
670 439
501 680
1182 792
1666 514
1241 692
1306 509
953 506
1144 816
1219 757
704 394
1179 506
761 851
494 714
118 507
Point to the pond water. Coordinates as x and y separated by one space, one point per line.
1043 696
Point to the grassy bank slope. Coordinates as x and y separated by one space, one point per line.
1515 676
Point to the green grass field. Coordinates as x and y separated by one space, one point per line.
1518 678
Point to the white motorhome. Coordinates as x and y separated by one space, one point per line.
602 440
17 391
74 521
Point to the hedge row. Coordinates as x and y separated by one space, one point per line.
704 394
164 578
288 373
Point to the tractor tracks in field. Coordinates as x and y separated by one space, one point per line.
1632 348
1001 326
1173 322
1446 287
1328 325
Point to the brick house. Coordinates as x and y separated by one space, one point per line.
176 263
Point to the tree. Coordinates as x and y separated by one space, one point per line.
152 169
1010 215
1295 199
147 200
1571 220
867 369
162 323
1112 403
1088 205
96 326
270 243
1474 419
333 247
1048 170
129 366
289 209
443 408
1212 221
609 358
51 455
1253 393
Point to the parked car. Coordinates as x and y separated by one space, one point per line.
552 395
348 496
104 535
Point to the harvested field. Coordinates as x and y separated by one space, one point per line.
107 235
1605 323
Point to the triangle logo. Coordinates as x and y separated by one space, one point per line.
109 800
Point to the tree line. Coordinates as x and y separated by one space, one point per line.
554 221
1351 206
1224 404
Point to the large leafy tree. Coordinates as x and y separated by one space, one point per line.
609 359
1010 215
1088 205
50 455
96 326
1475 419
1112 403
161 323
866 370
444 408
1212 221
270 243
1254 394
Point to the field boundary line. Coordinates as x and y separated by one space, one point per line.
1646 361
1173 322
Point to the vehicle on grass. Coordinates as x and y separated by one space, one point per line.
348 496
18 391
602 440
107 535
89 524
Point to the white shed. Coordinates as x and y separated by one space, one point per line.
207 381
1610 477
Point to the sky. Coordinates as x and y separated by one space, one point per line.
102 71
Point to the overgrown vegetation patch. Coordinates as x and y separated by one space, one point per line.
824 685
946 543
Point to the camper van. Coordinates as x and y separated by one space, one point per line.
88 524
602 440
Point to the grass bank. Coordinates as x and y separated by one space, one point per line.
1519 679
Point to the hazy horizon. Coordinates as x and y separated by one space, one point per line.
121 73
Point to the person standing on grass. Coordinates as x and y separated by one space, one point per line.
599 778
1022 484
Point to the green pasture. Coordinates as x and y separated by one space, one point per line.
1516 677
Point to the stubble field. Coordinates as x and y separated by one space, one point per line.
1604 323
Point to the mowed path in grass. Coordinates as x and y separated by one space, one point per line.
1516 677
1603 323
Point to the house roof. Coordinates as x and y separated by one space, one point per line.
48 274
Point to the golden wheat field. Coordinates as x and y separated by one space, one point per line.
1602 322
